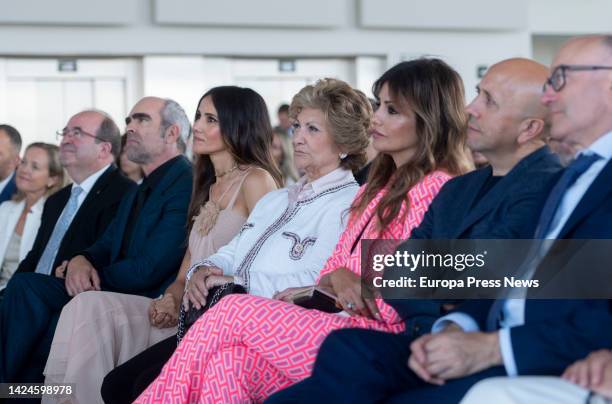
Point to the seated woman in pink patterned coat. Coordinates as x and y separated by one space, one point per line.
247 347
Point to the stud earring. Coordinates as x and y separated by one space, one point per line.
342 156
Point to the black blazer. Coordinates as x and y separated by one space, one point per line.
157 244
90 221
509 210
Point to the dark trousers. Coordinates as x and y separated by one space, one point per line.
29 312
126 382
365 366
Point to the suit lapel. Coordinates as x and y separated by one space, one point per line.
151 204
595 195
477 209
90 200
560 252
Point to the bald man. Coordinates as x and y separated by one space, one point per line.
579 96
507 125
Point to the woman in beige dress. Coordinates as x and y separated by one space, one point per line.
98 331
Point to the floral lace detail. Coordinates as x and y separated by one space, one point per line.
209 213
207 218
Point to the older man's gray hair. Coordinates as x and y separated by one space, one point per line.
173 114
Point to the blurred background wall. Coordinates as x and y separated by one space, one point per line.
61 56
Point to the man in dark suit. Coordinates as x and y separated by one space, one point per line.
88 160
507 125
10 147
138 253
70 223
519 336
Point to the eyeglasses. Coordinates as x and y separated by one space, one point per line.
557 77
76 133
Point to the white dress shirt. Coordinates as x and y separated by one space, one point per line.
514 309
88 184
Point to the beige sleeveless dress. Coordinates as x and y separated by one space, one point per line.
98 331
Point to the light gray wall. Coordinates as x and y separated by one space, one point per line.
467 33
545 47
260 13
68 12
243 28
284 27
570 17
471 15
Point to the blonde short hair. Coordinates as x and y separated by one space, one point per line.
55 169
347 113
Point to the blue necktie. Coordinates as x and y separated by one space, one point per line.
549 211
569 177
45 264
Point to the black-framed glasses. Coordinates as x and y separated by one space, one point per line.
76 133
557 77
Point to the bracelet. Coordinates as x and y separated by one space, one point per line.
196 267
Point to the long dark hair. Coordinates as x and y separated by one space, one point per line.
244 124
435 92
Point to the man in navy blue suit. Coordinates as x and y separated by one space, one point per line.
10 147
532 337
139 252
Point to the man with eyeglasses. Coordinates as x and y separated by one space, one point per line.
138 253
74 217
579 95
89 145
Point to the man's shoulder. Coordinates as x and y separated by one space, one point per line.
179 176
460 181
184 168
543 161
60 196
114 180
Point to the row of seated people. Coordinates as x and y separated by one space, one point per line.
96 301
29 181
26 185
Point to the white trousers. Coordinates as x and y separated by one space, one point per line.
532 390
